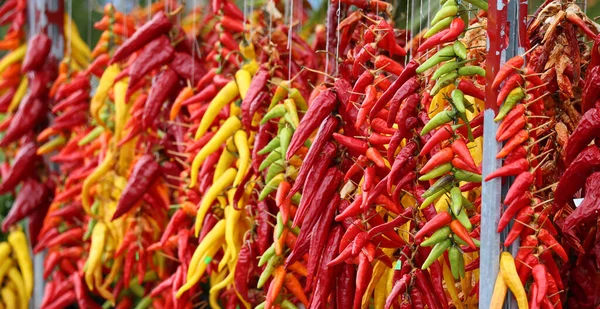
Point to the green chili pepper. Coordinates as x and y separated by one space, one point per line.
298 99
285 136
457 199
272 145
447 68
271 186
260 306
275 168
436 252
274 261
437 172
276 112
443 54
514 97
439 26
280 226
286 304
430 199
458 100
471 70
444 183
90 137
438 120
458 240
443 82
483 5
270 159
288 119
463 218
437 236
144 303
460 49
91 226
296 198
266 256
467 176
455 257
447 10
448 3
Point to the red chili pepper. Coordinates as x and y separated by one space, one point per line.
513 143
165 83
444 133
551 242
434 40
440 220
521 218
468 88
510 129
327 275
155 54
33 195
408 88
71 236
159 25
319 238
375 156
315 159
366 53
353 144
512 209
388 65
409 71
423 287
512 169
586 130
25 159
519 186
31 111
574 177
514 81
443 156
456 28
508 68
80 82
143 175
356 168
364 80
318 110
38 49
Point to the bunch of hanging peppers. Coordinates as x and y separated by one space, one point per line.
216 158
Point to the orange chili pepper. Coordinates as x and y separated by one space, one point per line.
293 285
10 44
185 94
375 156
462 232
275 287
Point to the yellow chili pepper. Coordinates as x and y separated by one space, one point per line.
380 293
378 271
6 264
18 241
211 194
225 95
243 80
14 56
225 160
106 82
4 251
511 278
251 67
93 178
499 294
95 255
15 276
229 127
298 99
9 298
77 43
121 108
213 296
100 288
451 286
247 50
204 260
292 111
214 290
19 94
211 238
51 145
232 217
241 143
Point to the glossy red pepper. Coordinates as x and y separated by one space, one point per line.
38 49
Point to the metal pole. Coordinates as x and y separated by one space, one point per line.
491 190
45 15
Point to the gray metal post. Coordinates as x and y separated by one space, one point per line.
48 15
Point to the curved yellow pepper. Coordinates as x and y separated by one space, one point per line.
225 95
211 194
